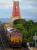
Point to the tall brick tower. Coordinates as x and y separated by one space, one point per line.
16 10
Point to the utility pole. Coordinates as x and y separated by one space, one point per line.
35 39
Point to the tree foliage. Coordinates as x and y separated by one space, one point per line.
27 28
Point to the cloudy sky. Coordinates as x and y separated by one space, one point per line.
28 9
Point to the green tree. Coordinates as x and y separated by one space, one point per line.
27 28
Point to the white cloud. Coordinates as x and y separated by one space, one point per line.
5 4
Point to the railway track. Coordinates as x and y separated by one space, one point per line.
14 48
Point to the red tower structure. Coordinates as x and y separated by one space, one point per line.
16 10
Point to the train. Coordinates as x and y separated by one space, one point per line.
14 37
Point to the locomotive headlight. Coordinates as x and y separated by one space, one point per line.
11 39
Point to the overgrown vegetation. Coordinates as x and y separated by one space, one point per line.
27 28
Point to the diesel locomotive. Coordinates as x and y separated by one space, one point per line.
14 37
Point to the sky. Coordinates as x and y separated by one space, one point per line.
28 9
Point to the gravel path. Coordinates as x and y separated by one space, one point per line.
34 48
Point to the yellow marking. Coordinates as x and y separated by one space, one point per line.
16 40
